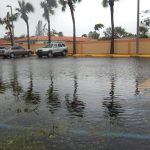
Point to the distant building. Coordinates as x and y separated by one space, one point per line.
4 42
44 39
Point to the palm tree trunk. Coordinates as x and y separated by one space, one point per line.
74 30
112 28
28 35
11 36
49 30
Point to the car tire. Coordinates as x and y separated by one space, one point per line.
39 56
29 54
4 57
49 54
64 53
12 55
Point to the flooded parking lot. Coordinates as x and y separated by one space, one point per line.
75 103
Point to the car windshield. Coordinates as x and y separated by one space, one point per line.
48 46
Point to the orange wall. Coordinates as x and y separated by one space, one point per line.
103 47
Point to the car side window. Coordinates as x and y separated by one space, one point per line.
14 48
59 45
55 46
50 45
63 45
21 48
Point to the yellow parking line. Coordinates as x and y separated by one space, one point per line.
108 55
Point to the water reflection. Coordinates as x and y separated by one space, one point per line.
113 108
74 105
137 92
30 96
53 100
14 83
3 86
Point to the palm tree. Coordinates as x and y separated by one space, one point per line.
8 26
48 6
24 9
98 26
110 3
71 4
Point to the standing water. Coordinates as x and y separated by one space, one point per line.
75 104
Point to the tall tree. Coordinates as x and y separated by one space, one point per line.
48 6
60 34
24 9
144 32
110 3
97 27
145 24
93 34
84 35
40 28
71 4
119 32
8 25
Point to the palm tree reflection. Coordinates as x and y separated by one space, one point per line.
3 87
14 84
113 106
137 92
75 106
31 97
53 97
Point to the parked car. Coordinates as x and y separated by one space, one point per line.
52 49
17 51
2 50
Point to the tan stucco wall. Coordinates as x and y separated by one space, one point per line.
103 47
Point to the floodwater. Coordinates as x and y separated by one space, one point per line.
75 104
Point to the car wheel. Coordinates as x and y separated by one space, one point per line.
40 56
29 54
64 53
4 57
50 54
12 55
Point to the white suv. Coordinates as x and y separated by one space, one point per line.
52 49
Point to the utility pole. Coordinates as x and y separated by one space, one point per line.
12 23
138 26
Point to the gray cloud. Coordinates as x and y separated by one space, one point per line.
88 13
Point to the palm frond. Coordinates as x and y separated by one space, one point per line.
52 3
24 9
105 3
1 21
64 4
46 11
29 8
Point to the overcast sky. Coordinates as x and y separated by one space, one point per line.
87 14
